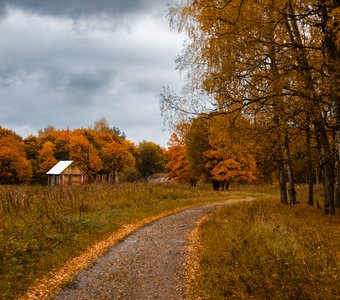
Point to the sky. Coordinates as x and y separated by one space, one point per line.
70 63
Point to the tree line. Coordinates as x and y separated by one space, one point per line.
99 149
274 66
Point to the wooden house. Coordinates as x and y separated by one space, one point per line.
66 172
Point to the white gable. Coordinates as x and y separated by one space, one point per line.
59 167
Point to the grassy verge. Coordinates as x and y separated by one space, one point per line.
263 250
41 228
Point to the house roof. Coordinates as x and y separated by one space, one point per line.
59 167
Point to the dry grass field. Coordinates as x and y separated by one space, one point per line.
42 228
256 250
263 250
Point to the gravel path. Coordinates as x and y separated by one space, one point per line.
148 264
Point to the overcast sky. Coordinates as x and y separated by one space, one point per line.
70 62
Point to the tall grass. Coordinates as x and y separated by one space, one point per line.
42 228
263 250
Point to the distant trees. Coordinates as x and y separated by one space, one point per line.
45 160
117 157
178 165
14 166
150 159
230 155
101 150
197 141
212 147
97 150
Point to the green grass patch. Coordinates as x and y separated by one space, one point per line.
42 228
263 250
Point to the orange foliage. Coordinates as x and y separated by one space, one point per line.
177 165
218 143
93 150
46 160
229 157
84 153
96 151
14 167
230 169
117 156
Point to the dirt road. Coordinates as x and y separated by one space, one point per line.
148 264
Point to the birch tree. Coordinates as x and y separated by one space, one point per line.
277 58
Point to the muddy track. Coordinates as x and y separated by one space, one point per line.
147 264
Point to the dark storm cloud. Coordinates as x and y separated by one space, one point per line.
79 8
86 81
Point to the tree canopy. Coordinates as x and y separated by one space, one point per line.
274 63
96 150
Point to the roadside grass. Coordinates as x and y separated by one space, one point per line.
264 250
42 228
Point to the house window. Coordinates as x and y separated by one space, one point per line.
73 168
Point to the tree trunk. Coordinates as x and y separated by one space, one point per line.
310 176
116 177
282 181
328 167
292 192
216 185
332 59
326 157
281 175
225 185
277 119
337 186
337 194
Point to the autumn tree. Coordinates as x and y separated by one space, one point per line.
97 150
117 158
61 139
101 125
45 161
230 157
330 22
14 166
268 60
317 92
86 156
178 164
130 172
31 148
47 130
214 148
197 143
150 159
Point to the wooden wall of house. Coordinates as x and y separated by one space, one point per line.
76 170
65 179
72 179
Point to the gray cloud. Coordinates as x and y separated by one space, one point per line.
84 81
81 8
71 72
7 77
88 81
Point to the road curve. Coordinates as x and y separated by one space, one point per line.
147 264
